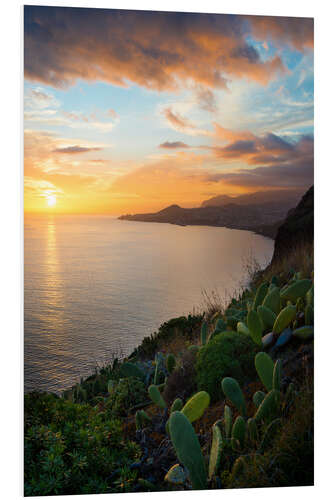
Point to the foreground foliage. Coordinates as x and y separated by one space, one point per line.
73 448
229 395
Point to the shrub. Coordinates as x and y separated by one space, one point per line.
71 448
181 382
228 354
127 393
187 327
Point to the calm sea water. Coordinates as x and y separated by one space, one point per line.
95 285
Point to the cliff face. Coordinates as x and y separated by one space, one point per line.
298 227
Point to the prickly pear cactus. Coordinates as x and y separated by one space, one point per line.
239 430
177 405
284 318
156 396
309 297
255 326
258 398
267 316
196 405
187 448
232 391
304 333
242 328
272 300
260 295
297 289
158 365
268 407
265 367
227 421
170 362
215 452
252 430
309 315
204 333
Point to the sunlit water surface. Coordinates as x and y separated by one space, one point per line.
95 285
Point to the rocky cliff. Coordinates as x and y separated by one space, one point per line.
297 229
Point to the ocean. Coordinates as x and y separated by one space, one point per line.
95 285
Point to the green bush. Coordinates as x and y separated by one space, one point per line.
72 448
188 327
228 354
127 393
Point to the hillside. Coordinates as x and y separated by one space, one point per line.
289 198
254 212
297 229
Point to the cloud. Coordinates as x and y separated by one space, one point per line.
112 113
156 50
206 99
266 149
38 98
296 32
296 175
173 145
183 179
46 153
71 119
178 122
226 134
75 149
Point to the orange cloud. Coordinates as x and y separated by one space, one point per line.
156 50
294 31
228 135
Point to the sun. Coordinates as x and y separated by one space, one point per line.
51 200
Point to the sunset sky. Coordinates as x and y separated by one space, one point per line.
129 111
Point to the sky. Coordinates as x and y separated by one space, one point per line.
131 111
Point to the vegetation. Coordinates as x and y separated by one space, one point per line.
228 354
74 448
221 400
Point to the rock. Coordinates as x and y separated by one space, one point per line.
297 228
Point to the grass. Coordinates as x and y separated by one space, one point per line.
301 258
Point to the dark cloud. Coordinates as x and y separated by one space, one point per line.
240 148
246 52
296 175
267 149
279 163
173 145
75 150
156 50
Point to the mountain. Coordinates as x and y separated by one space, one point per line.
288 197
258 212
